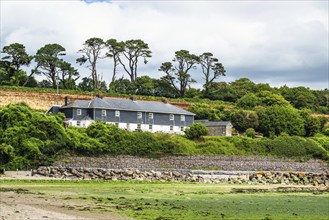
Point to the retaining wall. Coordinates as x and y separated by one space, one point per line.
288 178
201 162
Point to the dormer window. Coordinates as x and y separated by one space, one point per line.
117 114
79 112
103 113
139 115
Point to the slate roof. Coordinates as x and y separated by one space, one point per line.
214 123
128 105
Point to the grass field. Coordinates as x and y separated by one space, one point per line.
156 200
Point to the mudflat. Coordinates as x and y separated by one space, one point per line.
31 198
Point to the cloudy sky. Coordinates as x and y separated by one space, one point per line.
275 42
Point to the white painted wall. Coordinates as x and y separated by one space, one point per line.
132 126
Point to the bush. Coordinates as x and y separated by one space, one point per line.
217 147
297 147
196 130
250 132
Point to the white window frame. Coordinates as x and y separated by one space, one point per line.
171 127
103 113
117 114
182 128
79 123
79 111
182 118
171 117
150 115
139 115
150 127
139 126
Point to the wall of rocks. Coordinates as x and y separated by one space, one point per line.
200 162
289 178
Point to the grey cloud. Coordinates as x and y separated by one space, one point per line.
264 41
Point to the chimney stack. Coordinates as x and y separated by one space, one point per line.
67 100
133 98
165 101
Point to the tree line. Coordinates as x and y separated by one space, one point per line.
127 54
175 82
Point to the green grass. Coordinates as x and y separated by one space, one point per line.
156 200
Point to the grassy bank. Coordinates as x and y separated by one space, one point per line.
156 200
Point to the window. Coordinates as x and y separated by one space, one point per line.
78 123
78 111
150 127
117 114
139 126
103 113
182 118
171 117
139 115
171 127
117 124
181 128
150 115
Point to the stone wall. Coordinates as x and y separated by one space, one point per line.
201 162
289 178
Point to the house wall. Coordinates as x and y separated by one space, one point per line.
220 130
229 130
129 117
128 120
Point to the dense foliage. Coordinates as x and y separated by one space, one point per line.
29 138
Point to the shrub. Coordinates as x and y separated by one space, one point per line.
217 147
196 130
297 147
250 132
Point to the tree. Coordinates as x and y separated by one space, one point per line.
204 111
277 119
179 74
17 55
262 98
242 120
144 85
115 48
44 84
91 53
196 130
133 50
86 84
48 61
210 64
311 124
68 75
123 86
163 88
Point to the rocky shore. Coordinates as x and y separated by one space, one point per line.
246 177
